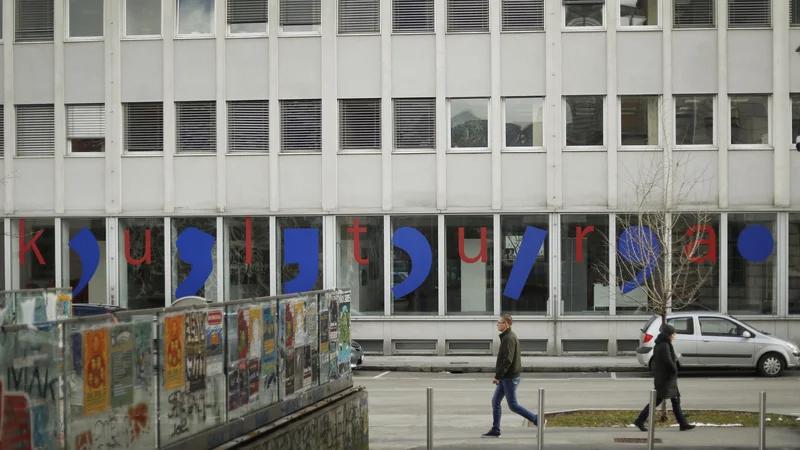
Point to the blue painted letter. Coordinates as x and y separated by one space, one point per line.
301 247
419 251
532 241
85 245
194 248
756 243
639 245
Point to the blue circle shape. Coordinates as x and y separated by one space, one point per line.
755 243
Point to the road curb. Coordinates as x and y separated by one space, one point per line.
491 369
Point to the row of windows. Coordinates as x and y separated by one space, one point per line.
142 18
414 124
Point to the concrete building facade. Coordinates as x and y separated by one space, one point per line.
466 123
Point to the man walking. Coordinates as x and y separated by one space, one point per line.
506 376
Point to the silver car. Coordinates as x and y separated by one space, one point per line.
714 340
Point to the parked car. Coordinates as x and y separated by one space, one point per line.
356 355
713 340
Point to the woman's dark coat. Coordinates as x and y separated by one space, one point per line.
665 368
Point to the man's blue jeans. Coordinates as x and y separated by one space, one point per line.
507 387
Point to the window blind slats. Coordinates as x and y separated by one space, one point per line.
360 124
301 125
694 13
467 16
359 16
522 15
749 13
794 13
86 121
197 127
300 12
412 16
415 123
248 126
34 20
248 11
144 127
35 130
3 131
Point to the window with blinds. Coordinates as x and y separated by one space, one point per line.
144 127
794 13
33 21
2 129
36 132
360 124
197 127
301 125
86 128
412 16
248 16
414 123
299 13
359 16
467 16
522 15
248 126
749 13
694 13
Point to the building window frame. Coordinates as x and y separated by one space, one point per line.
141 37
25 34
195 111
508 25
529 149
316 28
423 102
310 129
70 136
769 144
177 31
69 38
340 4
460 20
691 26
353 140
659 125
41 118
429 4
126 129
565 27
656 27
732 4
488 147
245 34
674 132
584 148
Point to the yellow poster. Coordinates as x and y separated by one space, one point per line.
96 388
173 358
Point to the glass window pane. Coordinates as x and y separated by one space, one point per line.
585 120
142 17
794 263
524 118
634 13
694 120
470 264
142 280
71 266
247 257
85 18
584 264
360 250
749 119
639 120
195 17
423 299
36 253
695 265
535 290
198 242
469 123
752 260
242 28
298 254
646 296
796 117
584 15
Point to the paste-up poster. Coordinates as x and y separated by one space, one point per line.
215 353
174 371
344 332
324 332
324 361
314 367
333 333
195 332
143 354
121 365
288 315
16 425
96 389
289 372
307 367
299 372
233 387
243 333
269 353
299 323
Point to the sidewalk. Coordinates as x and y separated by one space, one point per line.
486 364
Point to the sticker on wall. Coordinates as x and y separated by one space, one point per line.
121 365
174 372
195 335
96 390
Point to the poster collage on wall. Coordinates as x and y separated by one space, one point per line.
253 357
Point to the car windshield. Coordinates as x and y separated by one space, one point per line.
747 324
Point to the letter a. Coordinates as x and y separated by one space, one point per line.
711 241
194 248
301 247
88 249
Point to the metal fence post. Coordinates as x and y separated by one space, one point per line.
540 421
651 419
762 420
430 418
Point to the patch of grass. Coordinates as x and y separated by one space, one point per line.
623 418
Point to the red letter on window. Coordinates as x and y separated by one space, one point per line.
711 241
357 230
580 233
481 254
248 240
145 257
23 248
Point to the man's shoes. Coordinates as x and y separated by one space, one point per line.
491 434
529 424
640 425
687 427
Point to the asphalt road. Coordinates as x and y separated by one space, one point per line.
462 408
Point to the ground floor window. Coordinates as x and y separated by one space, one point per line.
359 255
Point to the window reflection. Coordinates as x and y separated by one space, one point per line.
424 300
535 291
469 251
142 279
584 264
361 262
